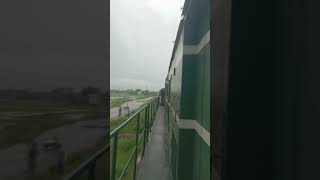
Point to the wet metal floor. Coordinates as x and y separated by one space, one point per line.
155 163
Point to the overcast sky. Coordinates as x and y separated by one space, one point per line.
141 42
46 44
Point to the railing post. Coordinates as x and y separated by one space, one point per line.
136 151
148 124
154 109
151 110
92 173
114 157
151 114
145 131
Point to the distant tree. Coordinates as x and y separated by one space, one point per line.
115 91
145 92
90 90
65 94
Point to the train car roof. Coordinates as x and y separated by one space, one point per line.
184 11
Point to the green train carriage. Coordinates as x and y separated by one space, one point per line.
187 87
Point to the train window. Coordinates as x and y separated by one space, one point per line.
174 71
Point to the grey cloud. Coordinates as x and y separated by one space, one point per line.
141 42
44 44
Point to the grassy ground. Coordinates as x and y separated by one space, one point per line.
119 101
25 128
126 143
123 94
32 126
36 106
102 166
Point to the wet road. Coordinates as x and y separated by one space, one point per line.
133 105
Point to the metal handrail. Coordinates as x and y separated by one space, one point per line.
150 110
90 164
122 125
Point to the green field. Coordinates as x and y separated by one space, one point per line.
25 129
29 120
125 146
44 117
23 120
126 142
75 160
41 106
119 101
